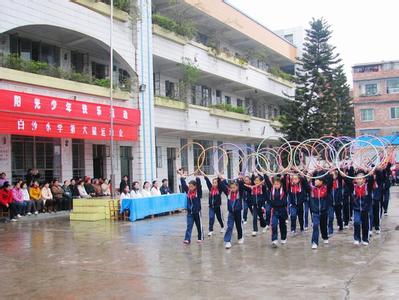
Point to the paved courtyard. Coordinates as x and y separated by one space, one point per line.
51 257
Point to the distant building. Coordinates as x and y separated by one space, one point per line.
376 98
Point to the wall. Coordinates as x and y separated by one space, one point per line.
5 154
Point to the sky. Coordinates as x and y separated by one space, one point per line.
363 30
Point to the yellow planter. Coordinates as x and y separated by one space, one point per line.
160 101
229 114
103 9
230 59
281 80
158 30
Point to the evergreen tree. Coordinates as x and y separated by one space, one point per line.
313 111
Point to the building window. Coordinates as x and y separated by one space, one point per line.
394 112
158 154
157 84
77 61
78 158
196 94
207 166
367 114
240 103
184 155
218 97
221 159
169 89
371 89
374 132
98 70
206 96
269 112
227 100
289 37
393 86
366 69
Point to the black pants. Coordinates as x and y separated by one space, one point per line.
376 215
361 221
338 215
39 205
50 205
346 209
12 208
193 218
212 212
233 218
257 213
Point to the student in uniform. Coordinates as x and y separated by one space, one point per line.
376 195
319 201
296 197
279 215
361 204
215 202
194 195
233 191
336 202
348 196
386 188
247 199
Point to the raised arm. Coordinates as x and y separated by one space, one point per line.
199 187
184 185
208 183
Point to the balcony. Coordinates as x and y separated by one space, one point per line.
120 12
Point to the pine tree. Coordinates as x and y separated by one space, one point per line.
311 113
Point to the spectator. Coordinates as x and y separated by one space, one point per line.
125 193
97 188
47 197
6 201
36 195
155 189
135 193
146 191
18 199
89 187
58 195
82 190
74 188
31 176
29 204
123 183
105 188
67 188
3 179
165 187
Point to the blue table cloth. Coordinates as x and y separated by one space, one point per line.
143 207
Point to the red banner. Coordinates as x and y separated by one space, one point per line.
36 115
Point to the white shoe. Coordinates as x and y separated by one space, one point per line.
245 222
286 221
283 242
267 227
385 214
254 233
28 214
293 233
346 227
365 243
274 244
210 233
357 243
314 246
325 241
306 229
13 220
222 230
370 233
18 216
36 213
378 231
241 241
227 245
264 230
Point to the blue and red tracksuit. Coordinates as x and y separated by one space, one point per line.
374 211
234 207
215 202
361 205
319 203
193 209
278 202
337 195
297 194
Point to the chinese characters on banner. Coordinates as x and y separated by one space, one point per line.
29 114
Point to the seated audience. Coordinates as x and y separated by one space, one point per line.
30 205
58 195
18 199
47 198
89 187
125 193
135 193
36 195
97 188
68 194
105 188
6 202
82 190
165 187
155 189
146 191
3 179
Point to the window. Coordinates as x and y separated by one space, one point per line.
218 97
394 112
169 89
78 158
269 112
289 37
207 166
184 155
157 84
98 71
206 96
50 54
367 114
366 69
393 86
374 132
221 159
371 89
77 61
227 100
240 103
158 154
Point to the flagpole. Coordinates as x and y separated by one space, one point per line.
111 97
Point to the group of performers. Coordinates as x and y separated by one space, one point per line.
361 196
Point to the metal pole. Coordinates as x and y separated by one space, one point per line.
111 74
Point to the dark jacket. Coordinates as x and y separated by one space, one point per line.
214 200
258 195
194 203
233 205
319 199
278 198
337 191
362 202
165 190
297 195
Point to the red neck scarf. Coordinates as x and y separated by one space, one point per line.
192 194
257 190
214 191
281 193
296 188
360 190
335 184
233 196
319 192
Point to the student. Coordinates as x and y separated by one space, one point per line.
82 190
36 195
278 202
146 191
296 197
247 199
47 197
125 193
319 201
386 188
361 204
89 187
215 201
135 192
336 202
17 198
155 189
6 201
194 195
165 187
29 204
374 211
124 182
348 196
233 192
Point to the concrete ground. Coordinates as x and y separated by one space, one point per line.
51 257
